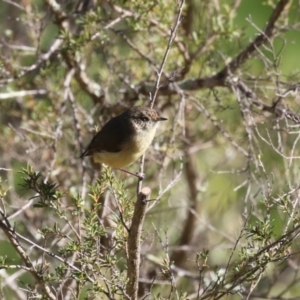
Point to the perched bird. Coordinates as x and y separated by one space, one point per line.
124 138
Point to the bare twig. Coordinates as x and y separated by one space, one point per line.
134 242
189 226
11 235
217 124
162 65
257 42
20 94
158 78
218 79
91 87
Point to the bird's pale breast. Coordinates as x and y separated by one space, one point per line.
130 152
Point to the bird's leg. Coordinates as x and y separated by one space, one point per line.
140 176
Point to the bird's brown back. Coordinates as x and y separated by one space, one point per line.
118 131
111 137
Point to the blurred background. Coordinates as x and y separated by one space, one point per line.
223 169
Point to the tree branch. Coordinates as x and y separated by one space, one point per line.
88 85
256 43
134 243
11 235
179 256
219 79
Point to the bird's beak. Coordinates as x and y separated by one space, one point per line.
162 119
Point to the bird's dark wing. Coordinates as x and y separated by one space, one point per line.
111 137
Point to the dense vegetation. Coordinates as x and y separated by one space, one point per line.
217 215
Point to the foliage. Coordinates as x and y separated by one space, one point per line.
222 220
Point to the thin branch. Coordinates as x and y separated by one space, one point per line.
91 87
218 125
256 43
218 79
40 61
20 94
189 226
171 39
158 78
134 243
274 108
11 235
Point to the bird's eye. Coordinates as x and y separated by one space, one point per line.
145 119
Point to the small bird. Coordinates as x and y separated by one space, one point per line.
124 138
